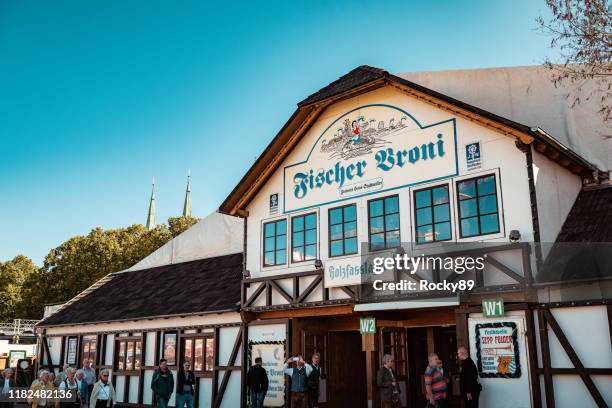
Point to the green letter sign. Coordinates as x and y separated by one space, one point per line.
367 325
493 307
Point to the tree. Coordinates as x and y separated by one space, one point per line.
84 259
582 31
13 274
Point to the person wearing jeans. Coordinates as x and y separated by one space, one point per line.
184 386
162 384
257 381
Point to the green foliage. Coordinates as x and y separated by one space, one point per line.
13 275
78 263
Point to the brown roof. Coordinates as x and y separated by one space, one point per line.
195 287
364 79
590 219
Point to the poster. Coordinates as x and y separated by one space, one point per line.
15 356
273 358
497 350
71 355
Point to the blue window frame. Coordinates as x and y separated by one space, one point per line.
432 214
304 238
275 243
343 230
478 212
384 223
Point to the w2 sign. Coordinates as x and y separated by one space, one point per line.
367 325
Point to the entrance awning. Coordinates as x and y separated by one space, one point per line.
407 304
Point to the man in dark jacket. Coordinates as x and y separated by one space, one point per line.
184 386
257 381
387 384
468 379
313 381
162 384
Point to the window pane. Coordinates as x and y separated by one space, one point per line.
170 348
489 224
377 225
486 185
336 231
336 248
311 237
129 359
198 362
467 189
210 354
350 245
298 223
391 205
468 208
487 204
425 234
137 355
377 241
269 258
269 230
281 257
441 212
443 231
392 222
376 208
121 358
469 227
393 239
424 216
335 216
298 239
311 252
298 254
281 227
423 198
187 356
269 244
350 213
440 195
311 221
281 242
350 229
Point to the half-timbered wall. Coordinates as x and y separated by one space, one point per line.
218 387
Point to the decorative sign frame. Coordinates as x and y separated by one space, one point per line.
71 350
495 358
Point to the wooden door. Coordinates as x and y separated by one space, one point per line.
347 371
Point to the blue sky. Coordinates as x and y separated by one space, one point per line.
100 96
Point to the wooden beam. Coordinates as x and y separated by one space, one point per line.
304 312
229 368
549 390
280 290
503 268
532 348
309 289
571 353
255 294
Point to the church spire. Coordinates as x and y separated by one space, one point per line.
187 205
151 215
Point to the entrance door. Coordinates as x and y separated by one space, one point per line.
347 371
422 341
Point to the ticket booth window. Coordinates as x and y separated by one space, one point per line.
89 348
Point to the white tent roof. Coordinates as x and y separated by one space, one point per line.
215 235
526 95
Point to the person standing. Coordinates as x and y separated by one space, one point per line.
89 375
435 383
70 384
468 379
185 379
103 393
387 384
39 389
257 382
313 381
82 389
299 375
6 384
162 384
